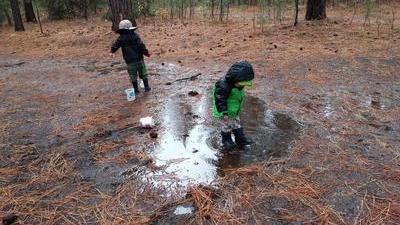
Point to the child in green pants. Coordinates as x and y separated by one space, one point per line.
133 50
228 96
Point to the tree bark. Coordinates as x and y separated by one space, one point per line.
19 26
55 10
227 11
221 10
40 22
121 10
84 7
191 9
29 13
296 17
212 9
7 16
316 10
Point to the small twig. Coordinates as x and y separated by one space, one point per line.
194 77
13 65
361 208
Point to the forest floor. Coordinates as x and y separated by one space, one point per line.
324 113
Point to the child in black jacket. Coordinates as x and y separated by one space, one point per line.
133 50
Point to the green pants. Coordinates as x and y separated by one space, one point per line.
135 69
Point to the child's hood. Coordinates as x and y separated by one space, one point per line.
240 71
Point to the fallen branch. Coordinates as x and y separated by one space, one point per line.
194 77
13 65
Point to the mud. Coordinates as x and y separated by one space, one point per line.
273 133
47 111
190 151
51 110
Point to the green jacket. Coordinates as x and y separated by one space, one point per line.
234 104
228 99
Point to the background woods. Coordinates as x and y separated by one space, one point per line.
264 11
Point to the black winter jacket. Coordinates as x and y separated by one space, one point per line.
132 46
240 71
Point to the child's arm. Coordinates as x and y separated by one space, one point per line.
222 92
142 47
116 45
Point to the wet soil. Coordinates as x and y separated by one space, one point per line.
190 150
46 108
44 113
273 133
72 148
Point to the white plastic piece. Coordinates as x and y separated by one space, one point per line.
147 122
141 84
130 94
183 210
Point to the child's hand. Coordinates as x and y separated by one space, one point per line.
226 118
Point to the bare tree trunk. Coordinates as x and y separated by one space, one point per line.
254 19
85 8
316 10
146 8
19 26
227 12
8 17
121 10
40 22
171 9
296 17
29 13
191 9
221 10
212 9
182 9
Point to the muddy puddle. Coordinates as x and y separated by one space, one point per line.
380 102
189 147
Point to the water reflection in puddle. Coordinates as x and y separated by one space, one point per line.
182 151
379 103
189 147
272 133
328 107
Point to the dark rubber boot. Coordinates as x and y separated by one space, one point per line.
227 141
147 87
136 87
240 138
